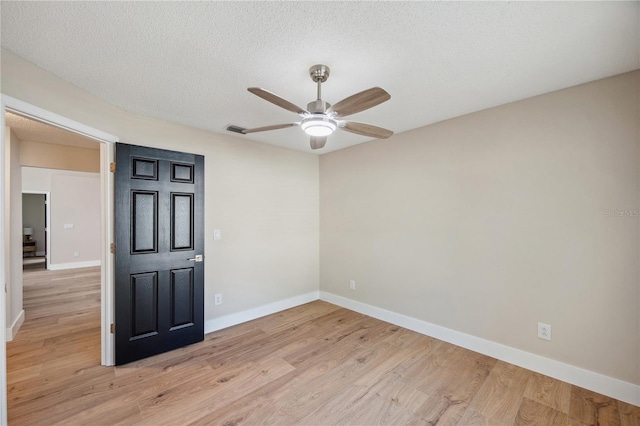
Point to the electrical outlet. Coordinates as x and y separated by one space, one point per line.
544 331
352 284
217 299
76 253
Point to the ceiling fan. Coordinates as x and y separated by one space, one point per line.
321 119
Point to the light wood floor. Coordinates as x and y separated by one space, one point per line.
314 364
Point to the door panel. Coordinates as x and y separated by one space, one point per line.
182 298
182 223
144 222
159 232
144 305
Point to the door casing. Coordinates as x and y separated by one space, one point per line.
107 143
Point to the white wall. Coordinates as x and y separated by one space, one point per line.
7 223
74 200
264 199
13 229
488 223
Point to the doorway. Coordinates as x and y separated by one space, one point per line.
54 161
67 166
107 141
35 219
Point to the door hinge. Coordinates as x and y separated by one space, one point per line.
112 167
112 248
113 328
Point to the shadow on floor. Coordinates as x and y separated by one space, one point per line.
36 262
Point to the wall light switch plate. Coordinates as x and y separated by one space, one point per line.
216 234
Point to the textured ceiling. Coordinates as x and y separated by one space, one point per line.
191 62
31 130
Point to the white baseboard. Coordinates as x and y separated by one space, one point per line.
596 382
74 265
13 330
260 311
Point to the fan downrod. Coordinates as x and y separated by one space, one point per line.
319 73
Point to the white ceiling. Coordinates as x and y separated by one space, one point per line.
35 131
191 62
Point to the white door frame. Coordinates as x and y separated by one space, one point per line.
106 182
47 205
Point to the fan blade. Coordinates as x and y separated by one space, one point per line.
360 102
366 130
318 142
277 100
267 128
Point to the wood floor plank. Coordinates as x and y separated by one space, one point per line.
328 331
591 408
548 391
202 351
403 337
104 414
500 396
474 418
429 365
450 396
259 406
629 414
532 413
17 375
313 364
299 315
99 394
31 394
309 396
387 401
206 394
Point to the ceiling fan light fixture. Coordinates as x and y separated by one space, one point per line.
318 126
321 119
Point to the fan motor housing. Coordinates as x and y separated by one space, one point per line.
319 73
318 106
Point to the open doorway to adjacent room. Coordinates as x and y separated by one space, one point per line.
35 219
54 223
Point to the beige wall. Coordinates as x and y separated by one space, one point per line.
263 199
491 222
51 156
485 224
